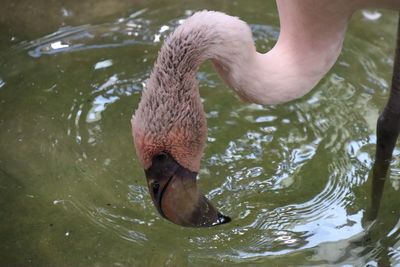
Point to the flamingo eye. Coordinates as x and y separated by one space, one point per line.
161 157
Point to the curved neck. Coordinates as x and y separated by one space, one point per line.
304 53
310 41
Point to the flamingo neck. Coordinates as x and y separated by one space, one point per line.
304 53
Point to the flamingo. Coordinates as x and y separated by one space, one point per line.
169 126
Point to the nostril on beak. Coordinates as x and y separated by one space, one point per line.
155 186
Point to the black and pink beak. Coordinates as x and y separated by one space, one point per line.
174 192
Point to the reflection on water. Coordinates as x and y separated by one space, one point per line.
293 177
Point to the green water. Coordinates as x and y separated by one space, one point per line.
294 177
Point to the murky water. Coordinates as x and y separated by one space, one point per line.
294 177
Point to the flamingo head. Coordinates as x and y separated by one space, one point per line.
169 132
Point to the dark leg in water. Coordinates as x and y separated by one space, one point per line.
388 128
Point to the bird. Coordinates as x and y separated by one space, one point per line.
169 127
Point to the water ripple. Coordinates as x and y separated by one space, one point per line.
288 175
133 30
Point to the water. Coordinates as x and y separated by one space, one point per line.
294 177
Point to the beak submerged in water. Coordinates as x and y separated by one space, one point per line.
174 192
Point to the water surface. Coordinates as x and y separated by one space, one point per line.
293 177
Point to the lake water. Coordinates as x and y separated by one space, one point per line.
293 177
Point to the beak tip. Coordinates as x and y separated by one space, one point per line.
222 219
